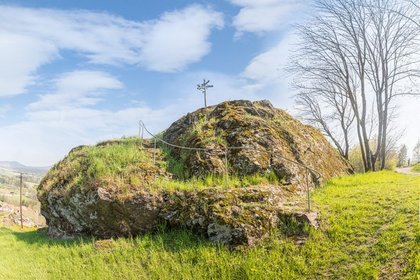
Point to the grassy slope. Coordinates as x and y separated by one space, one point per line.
369 230
416 168
120 164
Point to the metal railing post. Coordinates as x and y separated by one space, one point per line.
141 132
308 191
154 153
226 168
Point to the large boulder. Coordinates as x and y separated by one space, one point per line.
261 138
127 187
103 190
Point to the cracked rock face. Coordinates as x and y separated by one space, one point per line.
112 189
100 214
235 217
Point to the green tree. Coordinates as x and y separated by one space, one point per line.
416 153
402 155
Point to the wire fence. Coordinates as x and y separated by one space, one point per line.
225 151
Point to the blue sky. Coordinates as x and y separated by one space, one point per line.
76 72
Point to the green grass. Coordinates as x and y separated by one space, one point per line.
416 168
119 164
123 165
215 182
369 230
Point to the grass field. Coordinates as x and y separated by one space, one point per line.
416 168
370 230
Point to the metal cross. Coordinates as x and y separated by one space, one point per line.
203 88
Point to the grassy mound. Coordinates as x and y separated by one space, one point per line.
416 168
122 166
369 230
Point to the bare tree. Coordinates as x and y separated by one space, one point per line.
328 110
364 50
392 49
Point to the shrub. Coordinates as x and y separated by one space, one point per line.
416 168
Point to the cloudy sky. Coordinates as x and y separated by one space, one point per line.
76 72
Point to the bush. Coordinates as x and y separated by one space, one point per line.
356 160
416 168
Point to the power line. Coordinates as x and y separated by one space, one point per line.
20 199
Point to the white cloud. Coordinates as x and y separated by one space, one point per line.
77 88
266 72
45 136
270 65
179 38
20 57
33 37
4 109
264 15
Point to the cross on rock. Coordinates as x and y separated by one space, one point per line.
203 88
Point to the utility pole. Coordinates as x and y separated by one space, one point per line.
203 88
20 200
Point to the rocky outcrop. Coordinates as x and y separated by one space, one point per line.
103 190
262 139
126 187
102 214
235 217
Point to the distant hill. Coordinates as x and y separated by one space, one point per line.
18 167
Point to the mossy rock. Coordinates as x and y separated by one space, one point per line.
122 187
272 141
103 190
